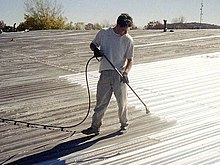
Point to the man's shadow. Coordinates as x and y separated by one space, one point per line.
64 149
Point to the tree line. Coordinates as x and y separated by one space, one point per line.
47 14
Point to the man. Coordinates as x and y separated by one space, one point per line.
117 45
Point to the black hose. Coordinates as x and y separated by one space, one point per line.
51 127
89 97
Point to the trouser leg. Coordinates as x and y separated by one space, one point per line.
103 96
120 92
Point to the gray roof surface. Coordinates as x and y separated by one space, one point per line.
42 81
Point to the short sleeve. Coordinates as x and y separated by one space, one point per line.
98 38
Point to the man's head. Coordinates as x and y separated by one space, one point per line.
124 22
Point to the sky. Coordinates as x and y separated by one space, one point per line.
107 11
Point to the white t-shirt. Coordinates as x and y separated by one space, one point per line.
115 47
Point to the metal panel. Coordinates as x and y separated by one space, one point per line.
186 90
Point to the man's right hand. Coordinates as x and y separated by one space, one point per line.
125 78
97 52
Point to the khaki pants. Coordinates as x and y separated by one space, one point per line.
110 82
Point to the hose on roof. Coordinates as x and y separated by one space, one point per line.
52 127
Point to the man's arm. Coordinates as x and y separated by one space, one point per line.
127 69
129 65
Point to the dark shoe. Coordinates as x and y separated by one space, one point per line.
124 127
90 131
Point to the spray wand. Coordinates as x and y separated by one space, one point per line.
120 74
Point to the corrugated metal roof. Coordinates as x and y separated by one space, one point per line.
186 90
42 81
